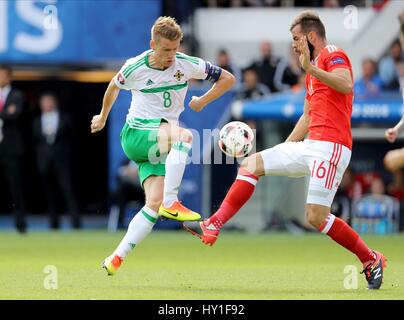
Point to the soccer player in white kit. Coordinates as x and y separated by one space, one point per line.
151 136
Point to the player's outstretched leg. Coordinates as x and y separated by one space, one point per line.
204 230
338 230
111 264
239 193
181 140
140 226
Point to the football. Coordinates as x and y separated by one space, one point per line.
236 139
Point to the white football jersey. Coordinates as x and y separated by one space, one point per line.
158 93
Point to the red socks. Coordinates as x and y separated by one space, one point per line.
343 234
239 193
338 230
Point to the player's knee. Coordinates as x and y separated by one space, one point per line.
246 164
252 165
388 161
186 135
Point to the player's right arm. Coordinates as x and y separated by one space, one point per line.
124 79
222 84
98 121
392 133
302 125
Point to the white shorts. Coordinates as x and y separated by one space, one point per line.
325 163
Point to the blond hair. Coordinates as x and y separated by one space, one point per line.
309 20
168 28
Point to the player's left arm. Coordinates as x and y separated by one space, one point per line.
338 79
223 81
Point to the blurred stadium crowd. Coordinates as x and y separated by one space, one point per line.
273 74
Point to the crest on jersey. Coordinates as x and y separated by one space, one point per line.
337 61
121 79
178 75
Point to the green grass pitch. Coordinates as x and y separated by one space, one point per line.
175 265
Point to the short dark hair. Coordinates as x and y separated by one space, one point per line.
6 67
309 20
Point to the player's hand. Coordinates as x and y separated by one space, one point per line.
196 104
391 134
97 124
304 56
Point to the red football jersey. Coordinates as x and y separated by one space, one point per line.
330 110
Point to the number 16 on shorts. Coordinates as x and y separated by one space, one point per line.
327 162
326 171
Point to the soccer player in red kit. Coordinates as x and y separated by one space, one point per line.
323 155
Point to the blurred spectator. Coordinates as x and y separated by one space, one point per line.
331 3
251 87
223 61
224 3
288 72
300 86
370 84
261 3
266 66
341 206
396 190
363 182
347 183
294 63
377 4
128 189
388 67
396 187
377 187
179 9
354 185
400 69
183 48
307 3
52 133
11 143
